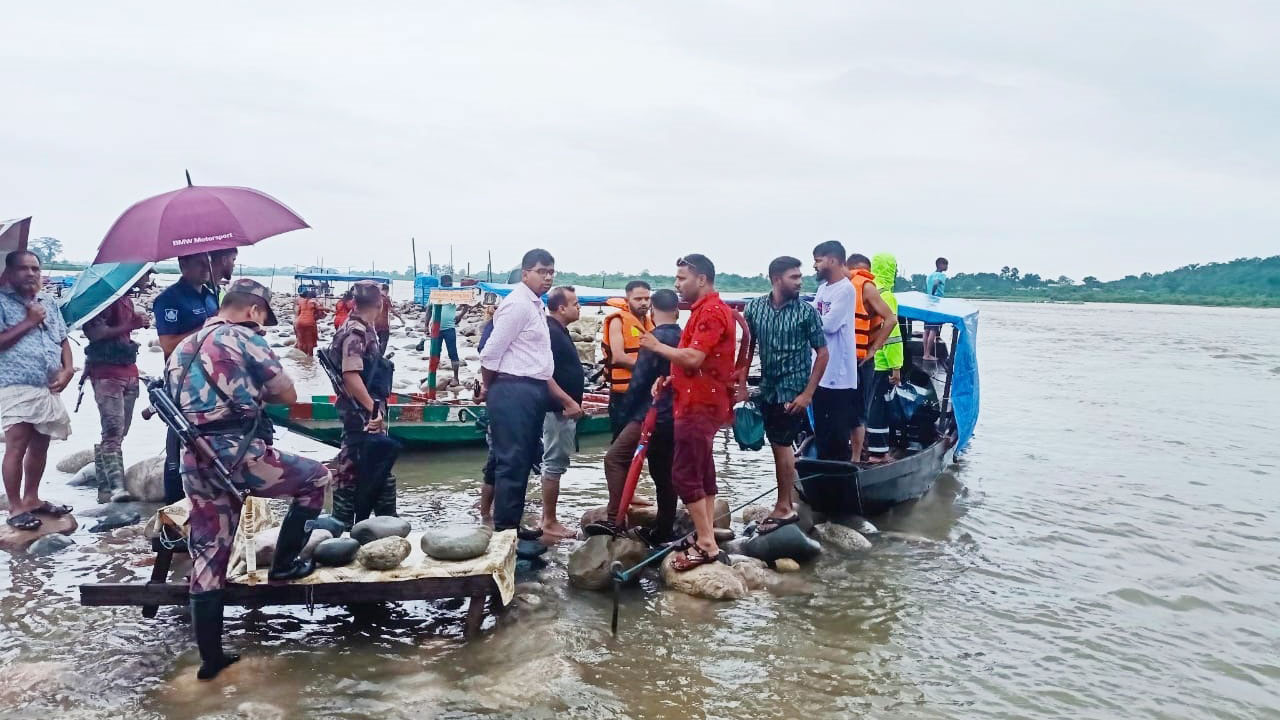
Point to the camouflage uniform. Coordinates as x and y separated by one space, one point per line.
245 368
354 348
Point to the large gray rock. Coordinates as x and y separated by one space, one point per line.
788 541
86 476
50 544
75 461
313 542
857 522
336 552
841 537
264 543
458 542
122 517
379 527
330 523
144 480
714 581
721 514
754 514
591 562
384 554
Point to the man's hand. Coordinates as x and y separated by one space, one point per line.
61 380
573 410
649 342
481 392
895 376
141 321
739 379
798 405
376 424
35 313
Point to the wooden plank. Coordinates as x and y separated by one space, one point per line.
159 576
114 594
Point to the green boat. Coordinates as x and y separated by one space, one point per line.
417 425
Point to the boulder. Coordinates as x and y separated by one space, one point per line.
808 516
788 541
264 543
721 513
714 581
144 480
13 540
754 514
786 565
857 522
841 537
72 463
86 476
313 542
383 554
336 552
378 528
459 542
591 562
723 535
117 518
330 523
637 515
50 544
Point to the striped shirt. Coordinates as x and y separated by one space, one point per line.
786 337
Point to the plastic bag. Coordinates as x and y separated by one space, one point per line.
748 425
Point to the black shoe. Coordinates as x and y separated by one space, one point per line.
653 537
206 620
528 533
602 527
529 549
286 565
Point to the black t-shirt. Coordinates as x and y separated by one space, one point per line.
568 367
649 367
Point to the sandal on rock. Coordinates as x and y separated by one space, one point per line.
48 508
602 527
23 521
769 524
693 556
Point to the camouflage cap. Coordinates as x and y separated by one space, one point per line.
245 286
366 292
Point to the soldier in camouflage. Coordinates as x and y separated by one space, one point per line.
362 480
219 377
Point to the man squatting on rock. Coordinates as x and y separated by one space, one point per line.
220 377
516 370
35 366
362 483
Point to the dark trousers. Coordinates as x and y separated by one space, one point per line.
617 420
449 339
834 413
617 462
172 468
515 432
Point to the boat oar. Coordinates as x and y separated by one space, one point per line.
621 576
637 459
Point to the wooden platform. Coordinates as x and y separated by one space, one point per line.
150 595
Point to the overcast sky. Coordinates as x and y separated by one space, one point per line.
1075 138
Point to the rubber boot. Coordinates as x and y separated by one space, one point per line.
100 469
115 475
206 620
286 565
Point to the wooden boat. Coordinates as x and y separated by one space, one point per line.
416 424
836 488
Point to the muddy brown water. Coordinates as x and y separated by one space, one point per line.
1107 549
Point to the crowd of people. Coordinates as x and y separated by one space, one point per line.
831 360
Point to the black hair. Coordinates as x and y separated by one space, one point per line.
700 264
216 254
940 262
559 297
665 300
446 280
831 249
11 260
781 265
857 259
202 258
536 256
637 284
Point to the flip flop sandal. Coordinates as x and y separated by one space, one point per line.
769 524
604 527
48 508
23 521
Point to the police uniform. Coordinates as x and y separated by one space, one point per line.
362 480
218 377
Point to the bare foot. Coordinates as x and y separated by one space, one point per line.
641 500
556 530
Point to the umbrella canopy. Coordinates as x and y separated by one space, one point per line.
195 220
13 235
97 287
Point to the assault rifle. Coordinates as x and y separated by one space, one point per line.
164 406
340 387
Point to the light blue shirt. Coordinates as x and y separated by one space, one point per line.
936 285
37 356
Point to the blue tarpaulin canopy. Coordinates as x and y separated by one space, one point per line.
964 370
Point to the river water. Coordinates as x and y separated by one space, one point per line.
1108 548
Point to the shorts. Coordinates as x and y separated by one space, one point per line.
559 441
694 468
780 426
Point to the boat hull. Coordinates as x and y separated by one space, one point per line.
841 488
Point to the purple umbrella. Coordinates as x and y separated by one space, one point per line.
193 220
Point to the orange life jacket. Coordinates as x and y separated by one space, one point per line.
864 323
632 329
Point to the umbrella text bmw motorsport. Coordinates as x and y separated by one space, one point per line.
193 220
